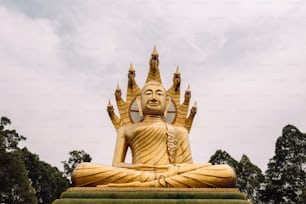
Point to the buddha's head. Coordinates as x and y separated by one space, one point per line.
153 99
154 61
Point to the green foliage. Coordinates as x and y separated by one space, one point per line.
286 173
9 139
15 186
249 179
76 157
23 177
222 157
304 196
47 181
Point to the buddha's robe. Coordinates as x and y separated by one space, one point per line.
159 143
161 158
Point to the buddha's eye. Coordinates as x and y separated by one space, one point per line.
159 93
148 93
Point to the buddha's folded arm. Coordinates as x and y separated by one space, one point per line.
178 176
148 167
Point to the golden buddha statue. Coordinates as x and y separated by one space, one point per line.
161 155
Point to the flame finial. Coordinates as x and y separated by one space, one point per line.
154 52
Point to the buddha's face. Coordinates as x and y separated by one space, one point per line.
153 99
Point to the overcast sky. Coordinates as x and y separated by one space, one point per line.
245 61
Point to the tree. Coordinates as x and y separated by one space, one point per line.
76 157
285 177
15 186
9 139
304 196
222 157
47 181
249 179
23 177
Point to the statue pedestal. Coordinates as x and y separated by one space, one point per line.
134 195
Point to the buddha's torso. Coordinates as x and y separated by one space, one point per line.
148 143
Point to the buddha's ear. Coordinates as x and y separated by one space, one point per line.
168 101
138 101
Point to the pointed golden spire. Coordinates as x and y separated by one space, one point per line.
188 88
132 89
177 70
187 95
110 107
189 119
174 92
154 52
195 104
131 68
118 93
118 87
122 106
131 74
117 122
154 74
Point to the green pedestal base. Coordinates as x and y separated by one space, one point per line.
88 195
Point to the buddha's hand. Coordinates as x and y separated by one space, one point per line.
144 167
186 167
148 167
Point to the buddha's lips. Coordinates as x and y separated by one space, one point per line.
153 104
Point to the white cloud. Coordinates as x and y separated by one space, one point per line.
61 62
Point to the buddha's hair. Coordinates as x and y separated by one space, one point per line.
155 83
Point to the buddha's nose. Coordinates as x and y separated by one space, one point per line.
153 99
